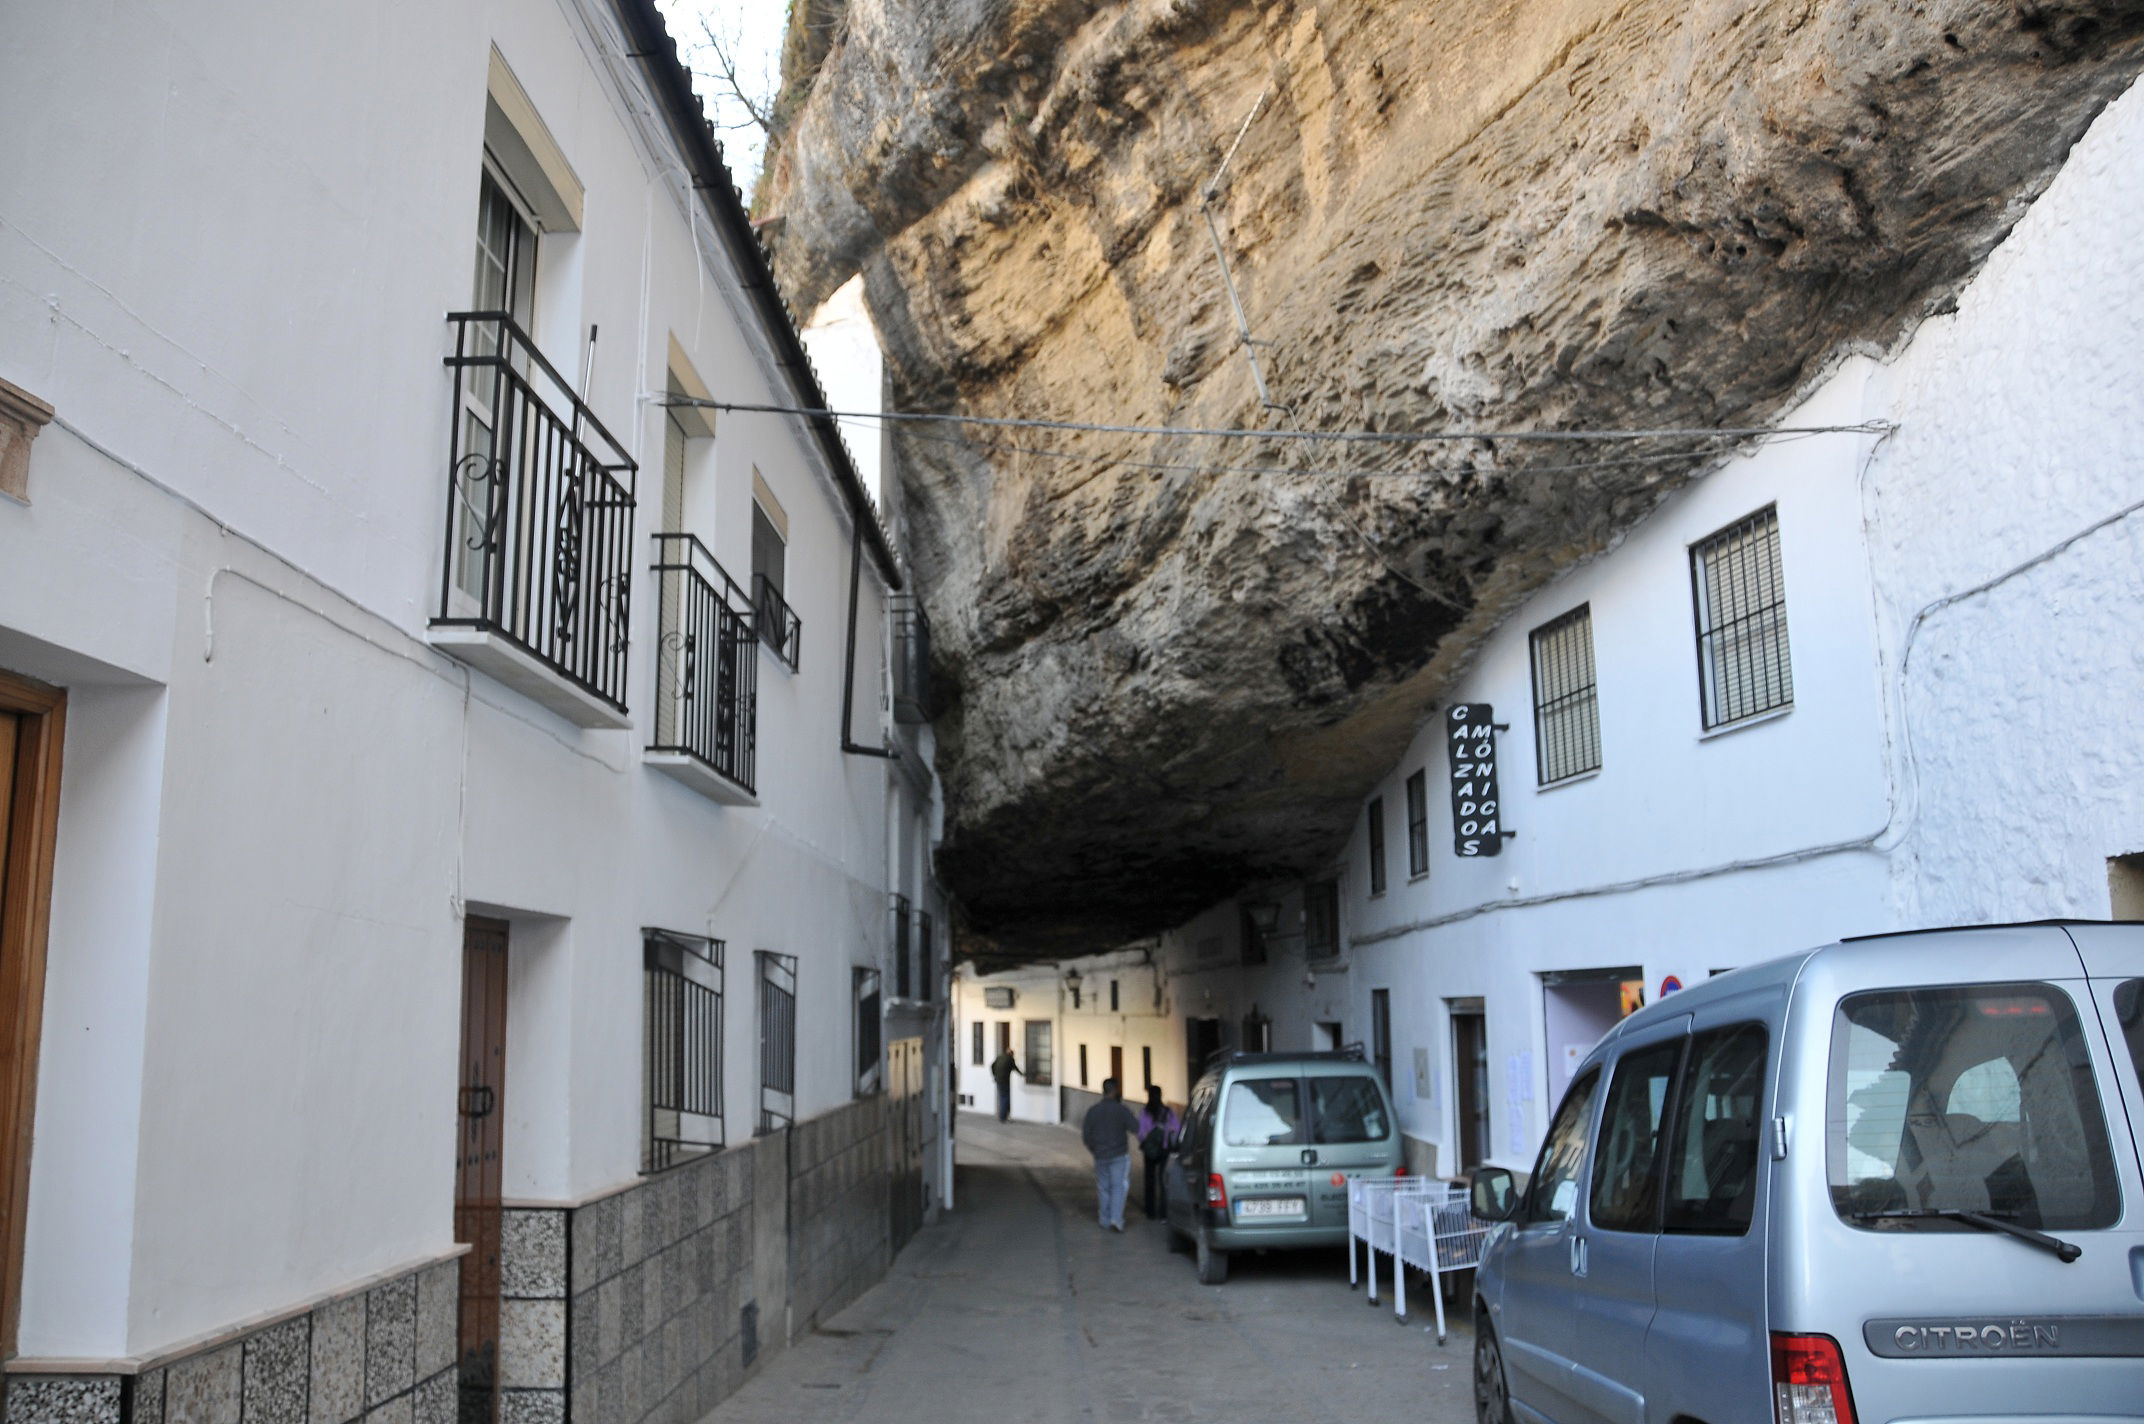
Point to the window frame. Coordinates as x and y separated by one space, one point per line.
867 996
1677 1051
1556 701
1682 1114
1418 824
776 985
682 1026
1046 1075
1321 910
1376 833
1764 627
976 1037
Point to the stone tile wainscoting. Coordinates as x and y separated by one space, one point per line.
840 1227
384 1354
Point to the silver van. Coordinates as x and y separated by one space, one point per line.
1270 1141
1891 1179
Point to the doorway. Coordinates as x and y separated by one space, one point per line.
1470 1082
1203 1036
479 1160
1577 1007
31 734
1116 1064
904 1093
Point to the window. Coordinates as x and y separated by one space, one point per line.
1146 1067
1262 1112
1552 1194
1083 1065
1418 823
1381 1034
1974 1098
1254 939
976 1048
505 282
2129 1013
1321 919
1004 1035
869 1022
1348 1109
682 1021
1712 1163
1113 1007
1626 1164
778 627
1038 1053
777 1039
1377 845
1567 720
1741 603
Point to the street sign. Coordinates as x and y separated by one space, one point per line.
1477 808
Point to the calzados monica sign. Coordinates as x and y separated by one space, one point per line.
1477 809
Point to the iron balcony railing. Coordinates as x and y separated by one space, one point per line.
779 625
707 668
540 510
777 1039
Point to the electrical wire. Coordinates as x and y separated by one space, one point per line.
1368 437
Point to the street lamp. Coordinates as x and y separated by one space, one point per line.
1072 982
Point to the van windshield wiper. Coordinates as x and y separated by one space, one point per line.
1986 1221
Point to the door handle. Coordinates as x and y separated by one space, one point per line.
1578 1255
478 1100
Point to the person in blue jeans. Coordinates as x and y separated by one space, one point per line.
1107 1130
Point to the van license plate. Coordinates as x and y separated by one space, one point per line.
1270 1206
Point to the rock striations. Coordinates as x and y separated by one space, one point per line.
1172 666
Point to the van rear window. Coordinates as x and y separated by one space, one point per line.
1261 1112
1974 1098
2129 1013
1348 1110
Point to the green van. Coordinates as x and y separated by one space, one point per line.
1270 1141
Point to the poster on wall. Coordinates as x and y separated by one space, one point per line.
1477 807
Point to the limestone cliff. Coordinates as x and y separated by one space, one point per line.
1166 681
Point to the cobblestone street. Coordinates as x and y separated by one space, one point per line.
1019 1308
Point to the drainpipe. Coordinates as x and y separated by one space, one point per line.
848 669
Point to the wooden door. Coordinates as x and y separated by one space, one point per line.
31 734
478 1158
1470 1087
904 1090
1116 1065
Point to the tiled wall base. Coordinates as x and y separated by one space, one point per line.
648 1306
383 1355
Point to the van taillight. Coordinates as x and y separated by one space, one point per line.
1809 1381
1216 1191
1399 1171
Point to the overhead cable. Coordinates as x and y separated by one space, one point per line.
1366 437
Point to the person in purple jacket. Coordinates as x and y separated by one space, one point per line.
1159 1128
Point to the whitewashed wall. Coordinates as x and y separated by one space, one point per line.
230 237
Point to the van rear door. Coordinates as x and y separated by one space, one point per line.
1970 1133
1352 1130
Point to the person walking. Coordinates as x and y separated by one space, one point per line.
1159 1128
1107 1130
1002 1068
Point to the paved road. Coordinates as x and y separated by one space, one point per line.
1017 1307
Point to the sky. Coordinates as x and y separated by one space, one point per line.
754 27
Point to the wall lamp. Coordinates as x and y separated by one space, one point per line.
1072 982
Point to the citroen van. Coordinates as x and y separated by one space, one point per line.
1891 1179
1270 1141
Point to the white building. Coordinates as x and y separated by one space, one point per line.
462 823
1843 685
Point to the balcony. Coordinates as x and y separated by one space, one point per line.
706 675
911 660
779 626
536 586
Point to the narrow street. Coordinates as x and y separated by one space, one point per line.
1018 1307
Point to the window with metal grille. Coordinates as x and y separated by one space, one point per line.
903 971
1418 823
777 1039
1037 1066
1741 605
1567 718
1321 919
682 1020
975 1055
1377 845
926 963
869 1020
